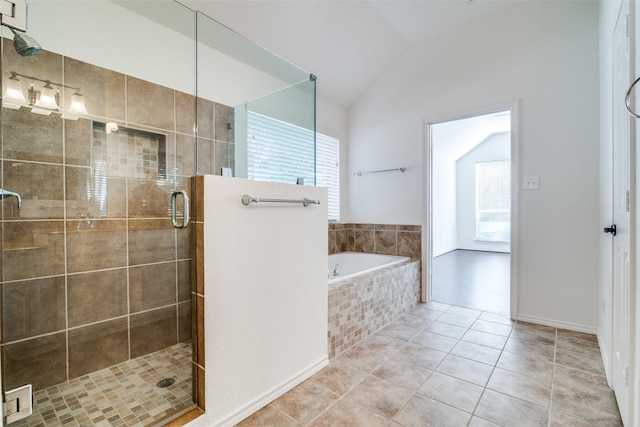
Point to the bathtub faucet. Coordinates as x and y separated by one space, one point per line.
336 270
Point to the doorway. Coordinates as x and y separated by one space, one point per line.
470 205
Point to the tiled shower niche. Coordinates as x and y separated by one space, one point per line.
93 273
127 152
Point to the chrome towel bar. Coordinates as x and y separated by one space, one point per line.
247 200
360 173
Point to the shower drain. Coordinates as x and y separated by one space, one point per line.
166 382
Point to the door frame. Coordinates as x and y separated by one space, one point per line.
427 179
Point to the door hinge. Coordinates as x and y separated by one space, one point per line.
627 25
626 375
627 202
18 404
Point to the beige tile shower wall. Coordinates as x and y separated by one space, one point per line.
94 273
361 306
404 240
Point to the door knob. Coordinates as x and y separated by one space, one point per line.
611 229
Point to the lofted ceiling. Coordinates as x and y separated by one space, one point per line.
345 43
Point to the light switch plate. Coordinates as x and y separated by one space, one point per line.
531 183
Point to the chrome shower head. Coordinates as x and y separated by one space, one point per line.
25 45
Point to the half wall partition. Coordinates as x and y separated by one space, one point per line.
100 303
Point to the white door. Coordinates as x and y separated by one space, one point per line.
623 195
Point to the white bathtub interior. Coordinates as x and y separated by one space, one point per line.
344 265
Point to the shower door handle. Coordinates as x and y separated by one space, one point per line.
174 210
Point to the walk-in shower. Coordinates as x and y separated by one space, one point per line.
102 310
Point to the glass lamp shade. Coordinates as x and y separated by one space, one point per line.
13 95
47 98
77 104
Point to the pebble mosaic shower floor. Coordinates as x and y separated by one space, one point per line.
122 395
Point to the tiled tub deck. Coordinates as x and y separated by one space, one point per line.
360 306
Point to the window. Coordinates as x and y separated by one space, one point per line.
328 171
493 201
278 151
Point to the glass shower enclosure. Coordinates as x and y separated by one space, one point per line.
124 105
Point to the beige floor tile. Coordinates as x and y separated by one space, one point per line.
425 313
585 396
403 373
563 420
268 417
485 338
509 411
339 377
423 411
421 355
453 372
380 396
437 306
520 386
456 319
414 322
435 341
477 352
465 369
358 357
467 312
531 347
492 327
347 413
578 344
452 391
306 401
583 361
399 331
497 318
446 329
530 365
565 333
538 334
479 422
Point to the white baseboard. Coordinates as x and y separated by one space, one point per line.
270 395
558 324
605 358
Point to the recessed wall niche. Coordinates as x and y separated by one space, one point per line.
128 152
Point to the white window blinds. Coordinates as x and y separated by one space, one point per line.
328 171
493 201
278 151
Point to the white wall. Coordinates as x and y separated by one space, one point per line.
546 55
266 295
445 237
496 147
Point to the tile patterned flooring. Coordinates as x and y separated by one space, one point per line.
122 395
443 365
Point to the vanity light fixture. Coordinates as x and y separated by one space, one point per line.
45 100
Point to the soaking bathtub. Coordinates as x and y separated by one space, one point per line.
344 265
370 292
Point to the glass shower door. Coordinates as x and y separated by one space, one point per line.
96 282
